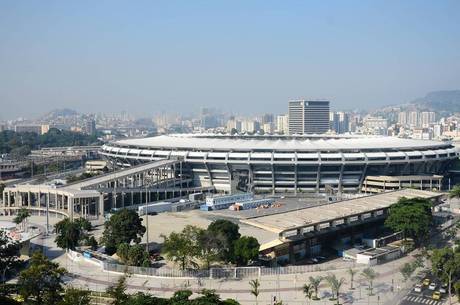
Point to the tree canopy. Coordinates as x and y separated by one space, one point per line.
246 249
182 247
22 142
41 282
228 233
9 254
124 226
411 216
71 233
134 255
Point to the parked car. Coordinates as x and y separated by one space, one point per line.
443 288
426 282
418 288
432 286
436 295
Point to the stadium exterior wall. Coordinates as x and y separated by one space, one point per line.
287 164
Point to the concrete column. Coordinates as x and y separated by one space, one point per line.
70 205
100 208
29 199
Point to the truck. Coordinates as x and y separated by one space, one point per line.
155 208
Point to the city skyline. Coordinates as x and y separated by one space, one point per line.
169 55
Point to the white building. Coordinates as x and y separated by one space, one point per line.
282 124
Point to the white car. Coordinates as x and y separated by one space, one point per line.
418 288
432 286
443 288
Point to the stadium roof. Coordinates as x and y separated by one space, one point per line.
282 143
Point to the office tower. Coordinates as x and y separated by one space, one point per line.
308 116
343 122
90 127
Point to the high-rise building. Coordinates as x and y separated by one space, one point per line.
344 122
282 124
267 118
308 117
427 118
233 125
412 119
402 118
90 127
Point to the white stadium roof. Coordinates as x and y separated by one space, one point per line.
298 143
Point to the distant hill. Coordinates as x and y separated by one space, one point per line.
447 100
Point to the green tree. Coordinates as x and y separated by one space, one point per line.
2 187
41 282
455 192
228 231
255 284
315 282
335 284
74 296
9 254
124 226
246 248
308 291
369 275
21 217
411 216
210 245
445 264
182 247
118 292
181 297
457 290
70 234
134 255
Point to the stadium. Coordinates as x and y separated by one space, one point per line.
280 164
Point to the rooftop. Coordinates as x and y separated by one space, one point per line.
310 216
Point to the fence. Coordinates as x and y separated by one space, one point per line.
219 273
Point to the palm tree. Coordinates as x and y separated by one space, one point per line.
352 273
335 285
455 192
308 291
369 275
315 281
255 284
21 217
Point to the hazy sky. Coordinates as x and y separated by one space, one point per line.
243 56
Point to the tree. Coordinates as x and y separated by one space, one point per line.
335 284
228 231
211 245
369 275
9 254
133 255
411 216
2 187
124 226
445 264
352 274
246 248
21 217
255 284
70 234
74 296
455 192
308 291
41 282
457 290
182 247
314 282
118 292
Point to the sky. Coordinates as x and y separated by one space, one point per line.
147 57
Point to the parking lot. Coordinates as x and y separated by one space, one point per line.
425 296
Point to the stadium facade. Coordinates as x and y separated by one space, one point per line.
281 164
